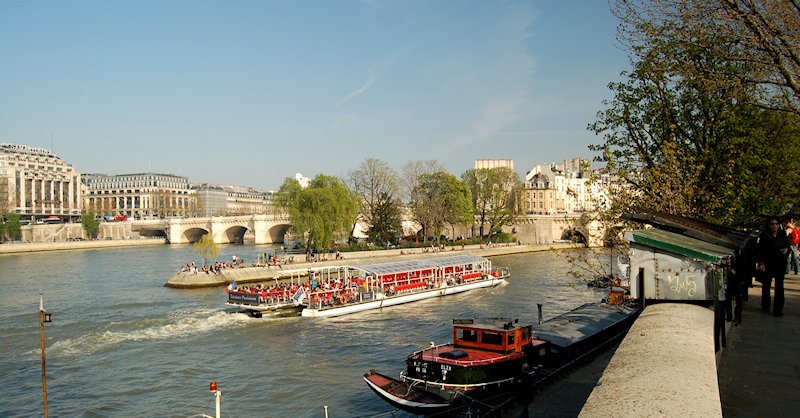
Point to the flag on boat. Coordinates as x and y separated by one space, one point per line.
232 286
299 295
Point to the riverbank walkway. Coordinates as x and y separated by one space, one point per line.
759 370
666 365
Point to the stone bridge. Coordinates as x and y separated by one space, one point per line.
269 229
259 229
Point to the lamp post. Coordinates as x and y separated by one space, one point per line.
43 318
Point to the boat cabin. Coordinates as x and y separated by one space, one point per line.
500 336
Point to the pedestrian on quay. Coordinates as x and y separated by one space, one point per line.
773 249
793 261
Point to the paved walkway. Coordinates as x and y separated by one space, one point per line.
759 371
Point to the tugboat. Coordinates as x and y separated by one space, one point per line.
498 358
486 356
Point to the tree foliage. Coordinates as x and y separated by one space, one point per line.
10 226
685 132
412 171
440 198
320 213
759 40
377 186
387 222
206 248
90 223
495 196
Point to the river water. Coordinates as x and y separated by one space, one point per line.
121 344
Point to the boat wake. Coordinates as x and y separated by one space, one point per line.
178 324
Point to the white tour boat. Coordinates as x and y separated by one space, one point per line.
341 290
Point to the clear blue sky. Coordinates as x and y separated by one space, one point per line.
251 92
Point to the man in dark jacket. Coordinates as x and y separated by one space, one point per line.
773 248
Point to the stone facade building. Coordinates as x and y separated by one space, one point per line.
560 188
140 196
37 184
227 200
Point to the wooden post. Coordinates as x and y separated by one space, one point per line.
640 284
44 373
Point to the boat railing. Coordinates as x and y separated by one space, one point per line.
434 356
326 299
501 272
442 385
268 297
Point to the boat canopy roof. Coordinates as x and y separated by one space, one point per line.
422 264
679 244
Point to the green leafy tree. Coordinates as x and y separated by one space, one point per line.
11 226
495 196
320 213
377 186
684 134
90 223
387 224
758 41
206 248
440 198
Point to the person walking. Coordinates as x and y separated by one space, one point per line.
773 248
793 261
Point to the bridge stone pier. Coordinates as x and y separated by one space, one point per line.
546 229
260 229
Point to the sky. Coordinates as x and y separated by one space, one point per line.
251 92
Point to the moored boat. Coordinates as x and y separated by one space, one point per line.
339 290
493 359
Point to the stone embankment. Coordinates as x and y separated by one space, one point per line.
32 247
665 367
187 280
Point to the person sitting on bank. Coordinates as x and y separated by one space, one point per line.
773 248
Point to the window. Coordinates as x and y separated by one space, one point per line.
467 335
493 338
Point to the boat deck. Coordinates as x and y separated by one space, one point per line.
580 324
472 358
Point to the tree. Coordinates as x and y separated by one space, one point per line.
11 226
412 171
206 248
495 196
440 198
320 213
387 223
377 185
758 39
687 137
90 223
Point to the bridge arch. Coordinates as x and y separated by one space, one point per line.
278 232
574 235
237 234
193 235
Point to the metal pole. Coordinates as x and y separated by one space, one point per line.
218 395
44 374
539 307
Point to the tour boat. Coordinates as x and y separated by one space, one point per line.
340 290
494 359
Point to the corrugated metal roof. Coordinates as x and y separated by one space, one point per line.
421 264
679 244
